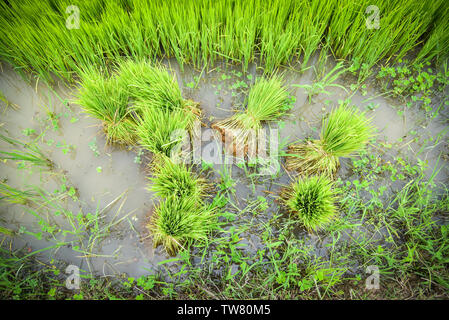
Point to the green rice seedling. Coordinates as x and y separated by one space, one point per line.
278 36
30 152
4 100
152 84
154 87
401 25
106 99
177 222
315 17
15 196
237 34
312 201
344 132
162 131
267 100
319 86
437 45
35 39
6 231
176 179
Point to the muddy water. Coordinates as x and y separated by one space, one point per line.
101 174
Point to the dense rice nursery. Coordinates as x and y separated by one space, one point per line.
227 149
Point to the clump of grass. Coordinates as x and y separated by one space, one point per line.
311 200
344 132
267 101
153 87
106 98
176 179
6 232
152 84
161 131
136 90
177 222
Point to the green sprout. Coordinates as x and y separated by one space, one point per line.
177 222
267 101
344 132
312 201
171 178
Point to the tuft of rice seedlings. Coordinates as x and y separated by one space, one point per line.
267 101
161 131
176 179
311 200
106 99
178 222
152 84
135 89
154 87
345 131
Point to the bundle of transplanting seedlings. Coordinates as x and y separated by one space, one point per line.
267 100
138 104
311 198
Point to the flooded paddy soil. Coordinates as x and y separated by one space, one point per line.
112 180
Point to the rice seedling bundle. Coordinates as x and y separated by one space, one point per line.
177 222
176 179
267 101
162 131
153 85
135 90
164 117
344 132
105 98
311 200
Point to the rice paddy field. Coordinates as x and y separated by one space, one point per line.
227 149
